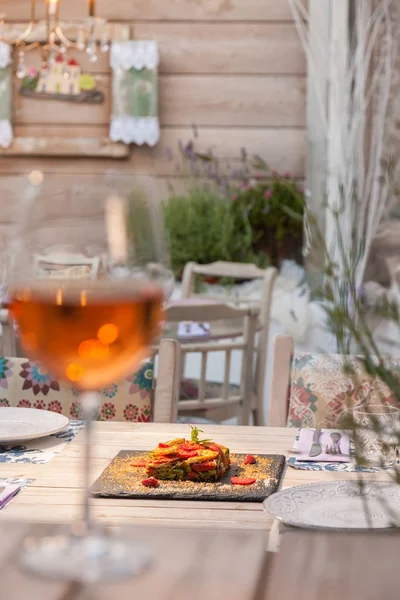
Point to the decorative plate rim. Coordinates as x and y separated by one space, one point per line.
300 525
62 424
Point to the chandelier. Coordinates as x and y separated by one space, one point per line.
91 35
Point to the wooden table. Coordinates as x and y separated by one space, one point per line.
316 565
56 495
202 550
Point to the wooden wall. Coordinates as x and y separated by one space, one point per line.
235 68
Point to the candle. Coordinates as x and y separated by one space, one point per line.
53 7
91 8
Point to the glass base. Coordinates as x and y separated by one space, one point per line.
85 559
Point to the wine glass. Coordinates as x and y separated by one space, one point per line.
87 289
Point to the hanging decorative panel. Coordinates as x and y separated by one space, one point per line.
134 113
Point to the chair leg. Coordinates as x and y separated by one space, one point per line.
246 408
9 338
258 410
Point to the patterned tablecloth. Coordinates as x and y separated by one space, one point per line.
350 467
42 450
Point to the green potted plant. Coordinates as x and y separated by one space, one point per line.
269 204
204 227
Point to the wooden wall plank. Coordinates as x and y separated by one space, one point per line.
258 48
154 10
282 149
69 147
231 100
234 68
226 47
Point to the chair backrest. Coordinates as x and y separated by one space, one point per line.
8 335
210 313
280 381
317 390
59 265
166 396
28 384
66 265
246 272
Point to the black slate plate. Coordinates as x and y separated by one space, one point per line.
121 480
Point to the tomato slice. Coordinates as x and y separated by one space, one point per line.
204 467
243 480
190 446
185 455
250 460
139 462
161 445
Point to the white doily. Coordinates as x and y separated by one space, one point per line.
5 55
6 133
139 55
137 130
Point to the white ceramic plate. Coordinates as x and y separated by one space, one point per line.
21 424
337 505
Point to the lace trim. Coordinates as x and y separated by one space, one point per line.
137 55
6 133
5 55
138 130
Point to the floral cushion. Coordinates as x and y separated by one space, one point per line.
27 383
323 387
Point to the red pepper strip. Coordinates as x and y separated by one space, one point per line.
243 480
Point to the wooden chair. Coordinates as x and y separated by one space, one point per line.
28 384
59 265
317 390
64 264
242 401
280 381
8 334
245 272
166 395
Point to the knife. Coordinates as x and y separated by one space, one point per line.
316 448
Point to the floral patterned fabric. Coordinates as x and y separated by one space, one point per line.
323 388
28 384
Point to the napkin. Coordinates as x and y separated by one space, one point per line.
323 445
8 492
193 329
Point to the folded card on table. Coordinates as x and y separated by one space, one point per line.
323 445
7 492
193 329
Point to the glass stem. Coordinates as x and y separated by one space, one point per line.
90 402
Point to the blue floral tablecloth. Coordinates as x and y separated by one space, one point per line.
40 451
350 467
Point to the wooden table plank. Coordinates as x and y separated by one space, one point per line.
17 585
315 565
56 494
195 565
187 564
